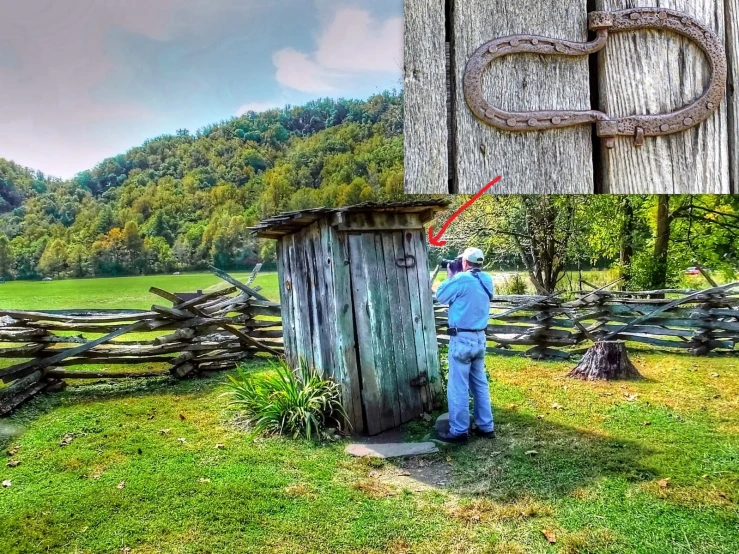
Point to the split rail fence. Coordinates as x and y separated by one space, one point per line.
218 330
197 333
698 322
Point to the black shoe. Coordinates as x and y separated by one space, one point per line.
445 436
483 434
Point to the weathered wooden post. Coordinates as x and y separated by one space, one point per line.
519 95
357 304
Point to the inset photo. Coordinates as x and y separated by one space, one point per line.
575 97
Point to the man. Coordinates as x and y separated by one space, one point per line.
468 294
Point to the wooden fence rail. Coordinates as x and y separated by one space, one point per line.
197 333
698 322
218 330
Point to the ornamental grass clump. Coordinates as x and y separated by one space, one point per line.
296 402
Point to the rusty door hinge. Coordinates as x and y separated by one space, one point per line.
602 23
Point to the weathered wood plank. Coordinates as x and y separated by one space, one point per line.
20 385
83 360
13 372
425 364
338 256
238 284
669 306
392 333
66 374
380 320
425 98
732 51
377 221
312 302
302 327
43 316
415 245
653 72
284 277
10 404
324 303
531 163
412 406
366 340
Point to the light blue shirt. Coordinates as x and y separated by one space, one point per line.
469 304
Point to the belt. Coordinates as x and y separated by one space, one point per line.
453 331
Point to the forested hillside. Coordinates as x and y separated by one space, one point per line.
184 201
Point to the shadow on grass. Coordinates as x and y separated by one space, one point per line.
534 457
103 390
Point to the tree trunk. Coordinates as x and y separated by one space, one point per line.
661 242
627 238
605 361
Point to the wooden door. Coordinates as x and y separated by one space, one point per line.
645 72
393 317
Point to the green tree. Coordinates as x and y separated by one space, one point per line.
133 244
326 153
54 259
7 258
78 261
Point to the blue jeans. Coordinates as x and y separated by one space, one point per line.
467 373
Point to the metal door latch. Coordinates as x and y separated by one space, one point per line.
603 23
406 262
420 381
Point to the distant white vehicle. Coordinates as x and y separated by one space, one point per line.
177 273
47 279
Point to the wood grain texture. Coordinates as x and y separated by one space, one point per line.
339 279
410 398
732 50
315 301
651 72
531 163
425 98
418 246
388 358
304 345
368 339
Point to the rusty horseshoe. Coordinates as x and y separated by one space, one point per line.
603 23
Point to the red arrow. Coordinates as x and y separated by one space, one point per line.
435 240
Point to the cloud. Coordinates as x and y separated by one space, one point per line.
351 46
298 71
85 79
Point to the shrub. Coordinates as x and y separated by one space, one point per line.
515 285
287 402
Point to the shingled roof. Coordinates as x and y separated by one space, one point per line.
291 222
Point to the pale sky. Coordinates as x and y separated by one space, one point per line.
82 80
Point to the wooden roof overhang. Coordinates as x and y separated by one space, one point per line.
360 217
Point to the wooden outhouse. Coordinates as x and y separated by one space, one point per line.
357 304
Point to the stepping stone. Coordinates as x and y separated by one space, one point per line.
391 450
442 423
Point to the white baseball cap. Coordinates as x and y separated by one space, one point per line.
473 255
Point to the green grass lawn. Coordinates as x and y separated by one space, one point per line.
648 467
116 292
133 292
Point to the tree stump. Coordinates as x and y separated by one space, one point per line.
605 361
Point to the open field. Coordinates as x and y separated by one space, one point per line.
115 292
133 292
649 467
